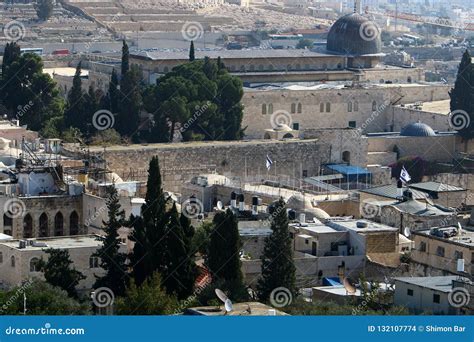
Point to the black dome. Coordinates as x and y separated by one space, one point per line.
354 35
417 129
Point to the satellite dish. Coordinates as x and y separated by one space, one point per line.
221 295
407 232
220 206
348 286
228 305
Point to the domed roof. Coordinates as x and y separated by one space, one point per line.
354 34
417 129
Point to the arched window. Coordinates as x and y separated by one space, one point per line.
300 108
73 224
28 227
12 261
409 79
93 262
59 224
270 108
252 67
328 107
264 109
356 106
293 108
43 225
321 107
34 265
374 106
349 106
1 258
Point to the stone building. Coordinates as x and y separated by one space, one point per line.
18 260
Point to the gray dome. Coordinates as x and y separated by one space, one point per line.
354 35
417 129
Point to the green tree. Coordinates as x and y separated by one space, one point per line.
192 55
125 67
10 54
304 44
75 115
44 9
149 249
112 260
202 238
58 271
462 98
180 271
113 94
130 103
278 269
41 299
147 299
224 255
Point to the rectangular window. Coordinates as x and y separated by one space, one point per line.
422 246
410 292
436 298
458 255
352 124
305 173
296 126
440 251
321 107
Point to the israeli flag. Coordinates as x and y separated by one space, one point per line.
404 175
269 162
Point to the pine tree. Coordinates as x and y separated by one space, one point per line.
125 58
149 250
130 103
180 270
278 269
224 255
192 55
58 272
111 259
462 97
75 116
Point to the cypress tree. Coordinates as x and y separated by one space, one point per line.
113 93
111 259
462 97
224 255
11 53
192 55
125 58
278 269
74 116
180 270
130 104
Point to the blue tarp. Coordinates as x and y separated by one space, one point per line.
349 170
335 281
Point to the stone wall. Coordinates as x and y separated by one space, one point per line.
401 116
180 162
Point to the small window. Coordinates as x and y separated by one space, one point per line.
458 255
321 107
296 126
1 258
440 251
410 292
300 108
436 298
34 265
328 107
374 106
93 262
422 246
306 241
270 108
352 124
349 107
293 108
12 260
305 173
356 106
264 109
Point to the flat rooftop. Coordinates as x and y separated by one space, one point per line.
315 228
337 290
438 107
371 227
67 242
466 238
441 283
65 71
239 309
